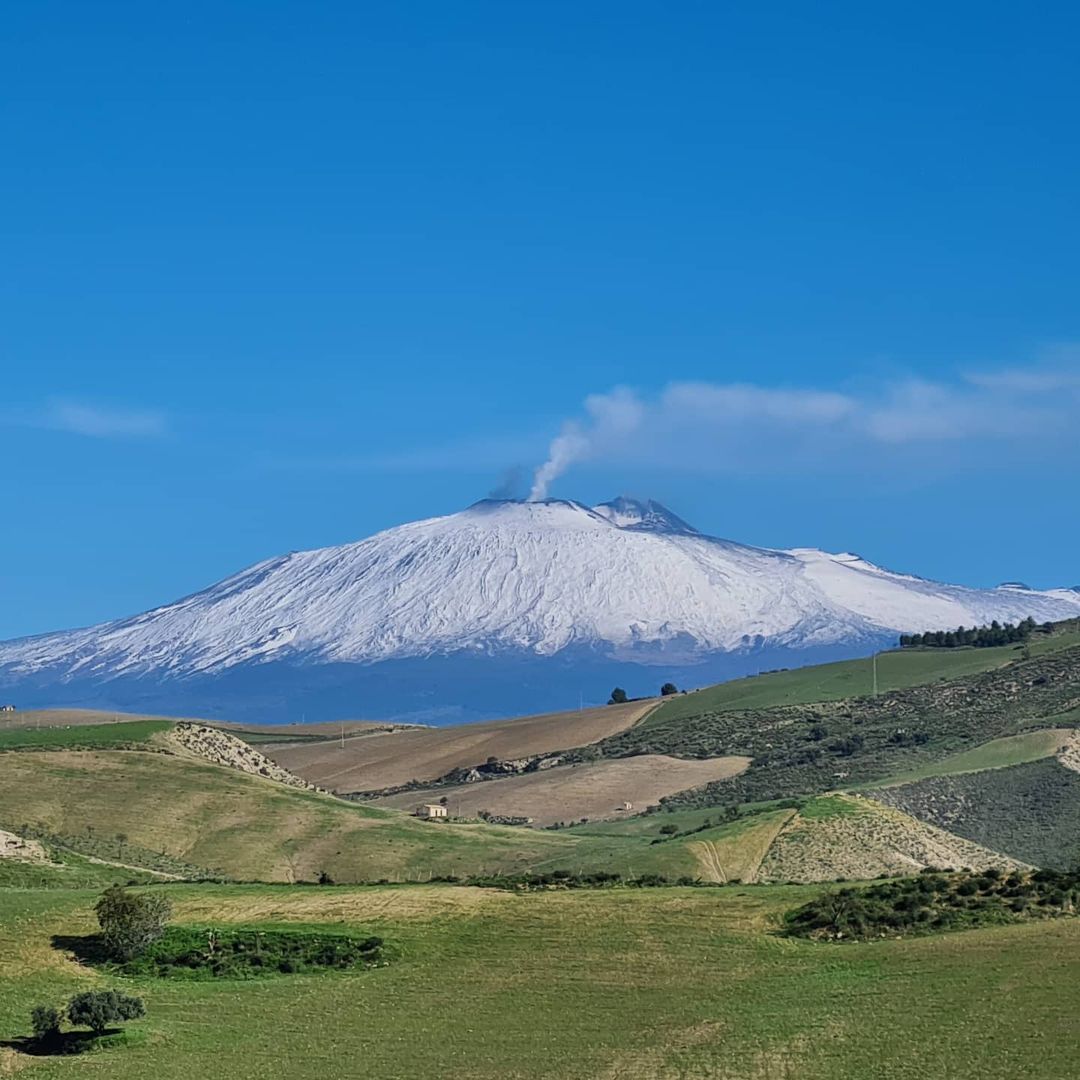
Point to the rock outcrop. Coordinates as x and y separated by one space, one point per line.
223 749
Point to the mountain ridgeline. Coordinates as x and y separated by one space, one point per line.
504 607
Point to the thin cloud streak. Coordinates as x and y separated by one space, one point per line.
90 421
102 423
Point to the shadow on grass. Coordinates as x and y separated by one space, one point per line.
63 1043
86 948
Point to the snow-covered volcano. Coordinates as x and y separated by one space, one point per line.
484 597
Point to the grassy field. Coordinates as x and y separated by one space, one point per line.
66 870
996 754
42 718
671 984
82 736
896 670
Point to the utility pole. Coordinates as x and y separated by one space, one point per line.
343 736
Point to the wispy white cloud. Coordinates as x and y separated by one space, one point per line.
1032 381
91 421
100 423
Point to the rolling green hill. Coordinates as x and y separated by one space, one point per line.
244 826
177 814
814 747
896 670
995 754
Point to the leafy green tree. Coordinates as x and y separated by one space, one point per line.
97 1009
45 1022
668 689
618 696
131 922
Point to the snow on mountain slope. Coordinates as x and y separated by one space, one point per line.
630 580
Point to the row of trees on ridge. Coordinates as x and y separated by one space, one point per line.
977 636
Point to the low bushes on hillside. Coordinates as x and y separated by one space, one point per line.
564 879
936 901
196 953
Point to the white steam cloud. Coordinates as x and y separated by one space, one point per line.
610 416
566 448
739 427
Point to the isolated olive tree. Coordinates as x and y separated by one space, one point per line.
618 696
45 1023
668 689
131 922
97 1009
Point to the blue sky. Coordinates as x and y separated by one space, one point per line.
277 276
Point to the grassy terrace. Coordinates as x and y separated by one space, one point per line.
897 670
996 754
639 983
83 736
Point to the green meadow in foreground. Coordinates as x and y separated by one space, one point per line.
491 985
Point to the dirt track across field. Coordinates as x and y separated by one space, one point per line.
568 793
385 760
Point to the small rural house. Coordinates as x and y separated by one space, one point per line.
431 811
7 708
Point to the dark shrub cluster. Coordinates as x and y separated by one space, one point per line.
564 879
936 901
97 1010
190 952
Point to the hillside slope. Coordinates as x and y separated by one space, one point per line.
1029 811
814 747
855 838
386 760
598 790
245 826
